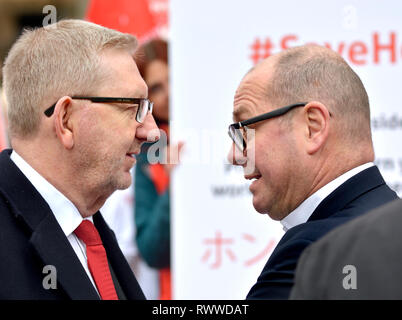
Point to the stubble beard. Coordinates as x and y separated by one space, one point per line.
101 173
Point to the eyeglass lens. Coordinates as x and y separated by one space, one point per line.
237 137
143 108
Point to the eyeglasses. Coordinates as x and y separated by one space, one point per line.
144 105
238 135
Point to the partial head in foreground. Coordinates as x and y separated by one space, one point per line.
152 61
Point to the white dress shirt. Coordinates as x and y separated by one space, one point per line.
303 212
67 215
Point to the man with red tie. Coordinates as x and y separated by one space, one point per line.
78 113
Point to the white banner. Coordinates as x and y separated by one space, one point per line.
220 243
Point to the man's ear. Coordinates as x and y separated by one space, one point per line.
62 122
317 123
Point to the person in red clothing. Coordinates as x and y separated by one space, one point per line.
152 206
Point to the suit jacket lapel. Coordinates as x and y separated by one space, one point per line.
353 188
52 246
46 236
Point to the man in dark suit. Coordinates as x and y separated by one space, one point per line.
302 134
359 260
78 114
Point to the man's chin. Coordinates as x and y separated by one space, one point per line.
259 207
124 182
264 208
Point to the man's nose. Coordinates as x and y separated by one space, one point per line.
148 131
236 157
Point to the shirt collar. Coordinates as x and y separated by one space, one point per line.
66 214
303 212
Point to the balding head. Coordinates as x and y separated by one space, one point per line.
315 73
294 155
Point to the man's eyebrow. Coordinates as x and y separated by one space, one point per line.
238 112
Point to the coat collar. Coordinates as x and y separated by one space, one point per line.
353 188
46 235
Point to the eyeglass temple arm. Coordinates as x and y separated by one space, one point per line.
269 115
49 111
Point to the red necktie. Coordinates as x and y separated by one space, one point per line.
97 260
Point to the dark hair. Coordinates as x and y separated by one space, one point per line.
155 49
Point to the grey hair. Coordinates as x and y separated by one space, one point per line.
47 63
311 72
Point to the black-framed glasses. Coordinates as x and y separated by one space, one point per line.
236 130
143 105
